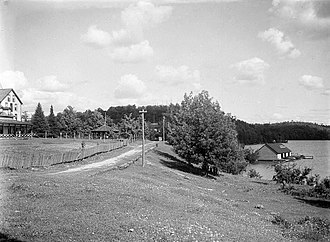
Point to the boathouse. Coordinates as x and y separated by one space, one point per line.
273 152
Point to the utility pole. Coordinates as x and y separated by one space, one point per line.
143 151
163 128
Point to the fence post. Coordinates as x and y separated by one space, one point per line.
62 158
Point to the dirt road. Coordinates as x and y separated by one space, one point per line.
129 155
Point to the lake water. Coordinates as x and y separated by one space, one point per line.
319 149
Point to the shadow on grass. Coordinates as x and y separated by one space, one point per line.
4 237
323 203
177 164
261 182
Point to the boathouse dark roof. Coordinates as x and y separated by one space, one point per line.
278 148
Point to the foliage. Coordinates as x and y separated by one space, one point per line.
322 189
250 156
252 173
90 120
69 122
39 123
288 173
279 132
52 122
308 228
130 126
203 134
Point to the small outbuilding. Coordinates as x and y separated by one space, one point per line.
273 151
104 132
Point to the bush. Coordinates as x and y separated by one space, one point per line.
233 167
250 156
254 174
322 189
308 228
288 173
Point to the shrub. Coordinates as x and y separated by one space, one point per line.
233 167
288 173
322 189
308 228
254 174
250 156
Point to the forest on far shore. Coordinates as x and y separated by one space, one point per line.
280 132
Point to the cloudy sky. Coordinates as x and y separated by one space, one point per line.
263 60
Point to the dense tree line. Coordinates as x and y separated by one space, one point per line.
70 121
280 132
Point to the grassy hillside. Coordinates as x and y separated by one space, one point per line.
164 201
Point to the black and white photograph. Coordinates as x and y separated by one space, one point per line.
164 120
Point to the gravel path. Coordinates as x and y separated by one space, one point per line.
109 162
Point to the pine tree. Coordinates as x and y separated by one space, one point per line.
52 122
203 134
39 123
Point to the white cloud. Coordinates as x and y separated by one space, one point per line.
311 82
13 79
51 84
130 87
96 38
174 76
60 100
326 92
136 17
311 17
282 43
143 14
250 71
123 37
132 54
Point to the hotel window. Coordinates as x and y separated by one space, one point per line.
8 99
13 99
15 107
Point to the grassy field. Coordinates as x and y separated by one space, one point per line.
164 201
43 145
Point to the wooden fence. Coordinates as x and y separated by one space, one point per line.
38 159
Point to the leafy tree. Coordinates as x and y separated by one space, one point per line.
52 122
128 125
203 134
90 120
69 121
39 123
